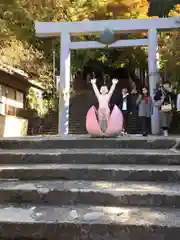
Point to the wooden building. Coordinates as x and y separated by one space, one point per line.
14 107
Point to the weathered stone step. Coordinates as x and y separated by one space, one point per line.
100 172
90 193
89 223
87 142
89 156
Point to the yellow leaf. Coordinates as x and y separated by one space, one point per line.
74 18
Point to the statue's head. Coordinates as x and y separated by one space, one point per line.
104 90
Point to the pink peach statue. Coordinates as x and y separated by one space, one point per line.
102 123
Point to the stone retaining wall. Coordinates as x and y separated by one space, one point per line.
11 126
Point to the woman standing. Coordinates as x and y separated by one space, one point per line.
145 110
165 100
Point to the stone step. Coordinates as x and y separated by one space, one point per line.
94 172
89 156
88 222
91 193
87 142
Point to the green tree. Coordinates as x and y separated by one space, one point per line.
170 52
161 8
20 48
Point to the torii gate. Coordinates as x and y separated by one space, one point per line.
65 29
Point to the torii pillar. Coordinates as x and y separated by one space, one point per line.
154 77
64 86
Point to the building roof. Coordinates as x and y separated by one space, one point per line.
20 74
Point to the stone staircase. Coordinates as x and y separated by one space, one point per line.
79 188
79 106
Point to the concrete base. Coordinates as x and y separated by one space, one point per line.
89 156
11 126
77 188
89 223
96 193
82 142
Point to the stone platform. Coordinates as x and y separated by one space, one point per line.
87 222
79 188
84 141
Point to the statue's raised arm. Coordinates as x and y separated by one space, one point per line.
113 86
96 91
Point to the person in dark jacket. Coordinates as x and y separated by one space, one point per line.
166 99
125 105
134 120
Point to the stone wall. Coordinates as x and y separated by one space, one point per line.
11 126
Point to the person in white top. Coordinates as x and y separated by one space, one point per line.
103 97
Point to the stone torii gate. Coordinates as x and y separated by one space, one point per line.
65 29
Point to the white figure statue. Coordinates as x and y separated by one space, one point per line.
103 97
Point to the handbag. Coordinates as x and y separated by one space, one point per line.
167 107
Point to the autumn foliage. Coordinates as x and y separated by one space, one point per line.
19 47
170 51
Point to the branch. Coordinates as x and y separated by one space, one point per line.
66 14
